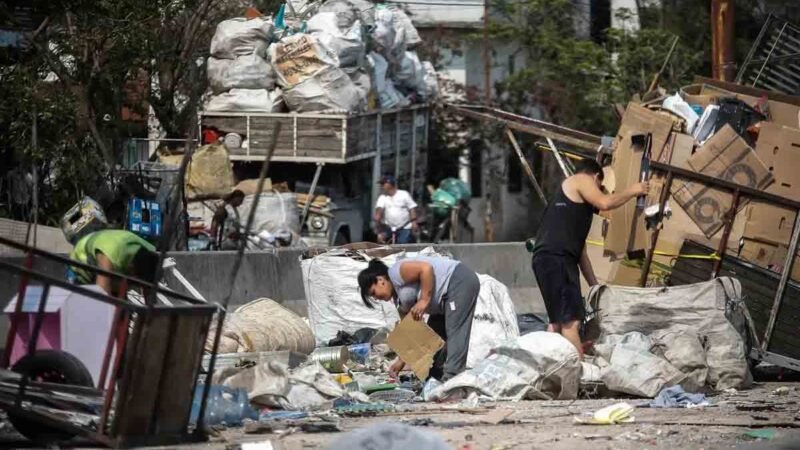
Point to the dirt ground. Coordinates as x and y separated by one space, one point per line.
549 425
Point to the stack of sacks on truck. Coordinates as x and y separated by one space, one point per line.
340 56
736 133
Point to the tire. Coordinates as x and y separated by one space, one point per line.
51 366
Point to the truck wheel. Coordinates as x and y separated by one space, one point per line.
53 367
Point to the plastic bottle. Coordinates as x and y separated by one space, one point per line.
225 405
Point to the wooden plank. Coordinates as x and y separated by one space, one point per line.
183 361
144 368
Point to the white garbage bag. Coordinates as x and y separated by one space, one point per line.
633 369
385 35
431 82
328 90
363 83
344 11
241 36
330 281
276 212
401 21
388 96
494 321
299 57
256 100
410 75
539 365
243 72
347 44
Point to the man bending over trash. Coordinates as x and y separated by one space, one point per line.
560 245
115 251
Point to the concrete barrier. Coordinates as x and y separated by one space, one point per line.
277 274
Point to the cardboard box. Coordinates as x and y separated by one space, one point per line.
626 230
682 150
769 256
725 156
779 148
769 223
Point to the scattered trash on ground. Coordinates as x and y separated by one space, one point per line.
610 415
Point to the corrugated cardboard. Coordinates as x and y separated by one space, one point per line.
726 156
779 148
769 223
626 230
769 256
416 344
682 150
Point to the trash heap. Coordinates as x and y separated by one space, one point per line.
339 56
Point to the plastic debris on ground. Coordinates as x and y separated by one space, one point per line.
676 397
392 436
610 415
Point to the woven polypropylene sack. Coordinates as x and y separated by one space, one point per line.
210 172
263 325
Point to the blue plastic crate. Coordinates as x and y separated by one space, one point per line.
144 218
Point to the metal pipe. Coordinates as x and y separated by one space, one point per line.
311 190
122 340
524 162
787 271
34 338
662 204
730 217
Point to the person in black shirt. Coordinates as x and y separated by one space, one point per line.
560 244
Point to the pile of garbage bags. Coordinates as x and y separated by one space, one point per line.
313 57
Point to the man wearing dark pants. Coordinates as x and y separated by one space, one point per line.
560 245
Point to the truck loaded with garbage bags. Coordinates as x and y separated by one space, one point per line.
350 93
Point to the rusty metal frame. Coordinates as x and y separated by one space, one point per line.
738 191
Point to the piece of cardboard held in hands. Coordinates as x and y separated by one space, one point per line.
416 344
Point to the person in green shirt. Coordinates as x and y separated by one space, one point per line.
115 251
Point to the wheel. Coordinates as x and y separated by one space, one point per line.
51 366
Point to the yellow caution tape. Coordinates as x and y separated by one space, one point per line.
712 256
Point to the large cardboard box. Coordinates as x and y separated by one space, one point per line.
626 230
725 156
779 148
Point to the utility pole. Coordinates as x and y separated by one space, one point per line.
722 29
487 62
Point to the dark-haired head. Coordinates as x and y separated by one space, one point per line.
373 282
144 265
590 167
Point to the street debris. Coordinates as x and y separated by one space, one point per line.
610 415
676 397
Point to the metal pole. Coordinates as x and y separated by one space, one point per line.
37 327
559 158
657 76
730 217
662 204
235 270
487 63
310 196
524 162
722 30
35 173
787 271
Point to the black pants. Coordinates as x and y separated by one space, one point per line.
455 324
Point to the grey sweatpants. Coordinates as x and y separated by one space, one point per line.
455 324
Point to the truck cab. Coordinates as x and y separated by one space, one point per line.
335 159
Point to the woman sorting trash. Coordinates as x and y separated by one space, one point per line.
445 289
